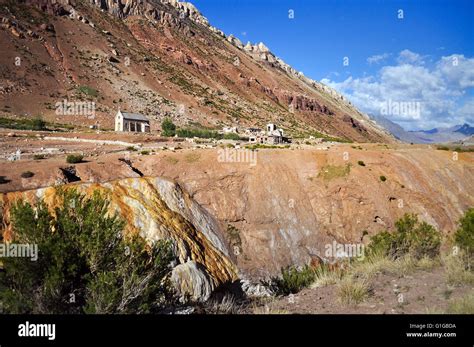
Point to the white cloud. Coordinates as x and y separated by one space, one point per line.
467 111
439 89
408 57
457 70
378 58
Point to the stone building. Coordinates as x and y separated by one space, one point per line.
131 122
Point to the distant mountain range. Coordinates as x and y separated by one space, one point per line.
436 135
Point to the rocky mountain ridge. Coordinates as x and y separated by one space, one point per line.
160 58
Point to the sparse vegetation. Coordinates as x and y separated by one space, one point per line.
89 91
361 163
329 138
352 291
74 158
463 305
326 276
131 149
330 172
458 270
383 178
192 157
264 146
145 152
172 160
455 149
23 124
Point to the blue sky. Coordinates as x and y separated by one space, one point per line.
390 59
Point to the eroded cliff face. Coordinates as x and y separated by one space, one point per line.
246 220
287 207
158 209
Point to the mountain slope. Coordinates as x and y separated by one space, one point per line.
161 58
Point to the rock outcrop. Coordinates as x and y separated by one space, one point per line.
159 209
192 282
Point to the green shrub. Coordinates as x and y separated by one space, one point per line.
168 129
442 148
145 152
255 146
27 174
85 264
74 158
411 237
464 235
383 178
88 91
23 124
361 163
292 280
201 133
231 136
38 124
131 149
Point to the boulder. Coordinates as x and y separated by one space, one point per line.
191 281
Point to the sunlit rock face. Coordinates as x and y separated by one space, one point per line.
158 209
192 282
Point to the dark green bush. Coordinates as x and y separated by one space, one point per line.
292 280
38 124
168 128
74 158
23 124
361 163
411 237
201 133
464 235
85 264
383 178
231 136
